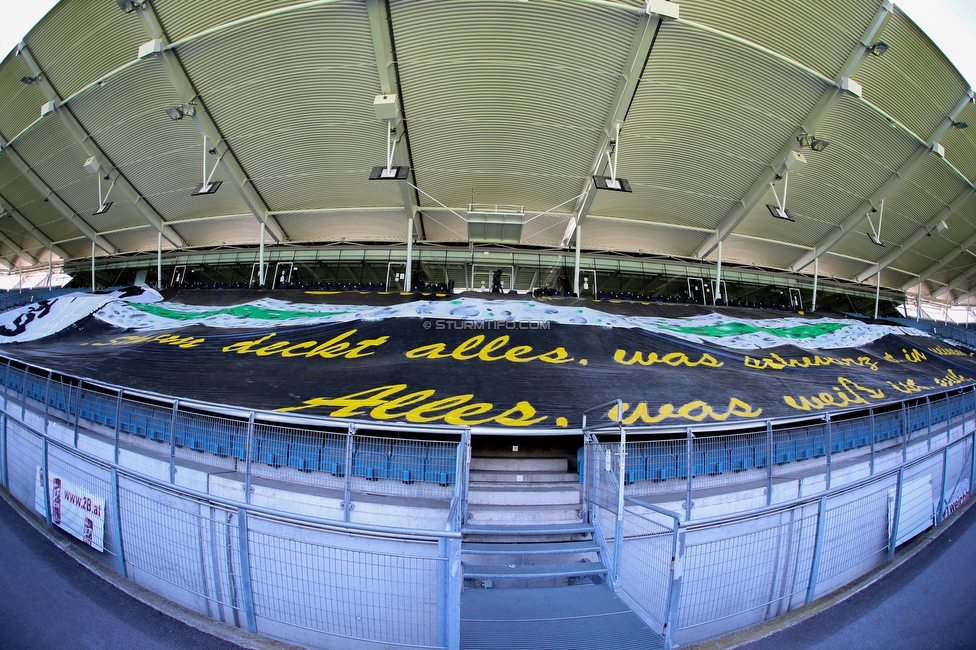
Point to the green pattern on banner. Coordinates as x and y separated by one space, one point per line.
238 311
797 333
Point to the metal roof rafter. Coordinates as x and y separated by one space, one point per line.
92 149
201 117
381 30
33 230
645 35
31 260
821 109
50 196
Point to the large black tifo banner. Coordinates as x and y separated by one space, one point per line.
519 372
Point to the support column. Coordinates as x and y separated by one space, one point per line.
877 295
408 278
816 274
93 266
159 262
50 270
579 236
718 277
261 258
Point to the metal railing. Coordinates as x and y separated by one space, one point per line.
693 579
281 574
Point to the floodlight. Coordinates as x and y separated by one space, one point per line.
960 125
615 184
875 239
28 80
103 208
175 113
780 213
126 5
819 145
206 188
805 140
878 48
393 173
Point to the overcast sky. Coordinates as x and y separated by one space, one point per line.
950 23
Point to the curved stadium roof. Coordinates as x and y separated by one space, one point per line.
509 102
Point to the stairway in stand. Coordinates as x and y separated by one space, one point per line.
534 576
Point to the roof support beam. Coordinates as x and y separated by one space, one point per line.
55 200
33 230
381 30
645 36
24 255
145 210
903 248
820 111
919 235
955 282
861 212
204 122
945 261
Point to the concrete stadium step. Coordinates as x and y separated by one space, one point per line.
508 517
523 548
519 464
529 571
505 494
526 477
527 529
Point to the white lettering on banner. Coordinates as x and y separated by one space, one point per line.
73 508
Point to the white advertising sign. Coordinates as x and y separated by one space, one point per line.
73 508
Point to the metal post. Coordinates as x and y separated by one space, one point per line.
47 400
939 517
464 474
245 553
830 444
47 483
877 294
93 265
689 469
817 548
674 593
871 411
77 407
50 270
172 442
717 296
249 446
159 261
928 411
347 492
905 429
261 258
408 276
769 462
579 236
896 519
816 273
454 587
972 460
618 537
3 452
118 418
120 549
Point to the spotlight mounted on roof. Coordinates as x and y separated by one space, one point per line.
387 109
128 6
29 80
811 141
875 234
960 125
611 182
780 212
177 112
879 48
208 186
794 162
93 166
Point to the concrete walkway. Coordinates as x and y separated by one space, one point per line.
49 600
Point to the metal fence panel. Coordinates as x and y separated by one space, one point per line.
24 456
646 563
323 582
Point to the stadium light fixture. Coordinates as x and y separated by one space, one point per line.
875 234
177 112
811 141
819 145
611 182
779 210
29 80
93 166
208 186
387 109
879 48
960 125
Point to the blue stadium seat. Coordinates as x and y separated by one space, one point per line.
635 466
334 455
579 463
762 455
698 466
860 435
273 452
785 451
804 449
717 461
407 460
661 467
239 447
441 465
742 458
193 434
820 445
304 456
372 459
158 428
